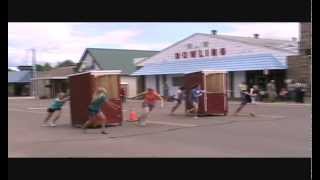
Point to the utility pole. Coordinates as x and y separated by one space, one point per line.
34 74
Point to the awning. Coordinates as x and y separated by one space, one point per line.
231 63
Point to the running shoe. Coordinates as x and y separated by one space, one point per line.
45 125
103 132
53 124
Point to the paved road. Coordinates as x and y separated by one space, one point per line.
279 130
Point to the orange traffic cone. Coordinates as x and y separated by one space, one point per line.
133 116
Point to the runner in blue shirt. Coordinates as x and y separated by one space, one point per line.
55 106
196 93
100 98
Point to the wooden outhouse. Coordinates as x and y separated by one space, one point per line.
215 100
82 88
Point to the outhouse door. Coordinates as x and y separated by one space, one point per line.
216 98
112 84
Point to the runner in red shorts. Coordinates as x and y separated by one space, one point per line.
149 102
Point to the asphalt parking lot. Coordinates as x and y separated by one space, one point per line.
278 130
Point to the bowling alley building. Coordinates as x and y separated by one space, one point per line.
254 60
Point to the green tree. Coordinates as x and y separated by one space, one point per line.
47 67
66 63
39 67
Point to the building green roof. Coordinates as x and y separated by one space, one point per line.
118 59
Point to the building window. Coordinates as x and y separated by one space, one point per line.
177 81
185 55
189 46
205 44
193 54
213 52
308 51
177 55
223 51
200 53
206 52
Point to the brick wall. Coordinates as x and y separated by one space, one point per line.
299 68
305 37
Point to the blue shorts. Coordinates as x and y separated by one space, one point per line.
50 110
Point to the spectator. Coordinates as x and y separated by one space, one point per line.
299 92
283 95
271 91
291 89
262 95
254 92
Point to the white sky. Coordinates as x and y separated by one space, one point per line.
56 42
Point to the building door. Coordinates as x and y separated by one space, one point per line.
158 83
231 82
141 84
112 84
256 78
165 86
190 80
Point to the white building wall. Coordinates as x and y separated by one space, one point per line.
239 77
172 89
150 82
87 63
132 84
233 48
41 89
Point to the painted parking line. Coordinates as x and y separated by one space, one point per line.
172 124
283 104
21 110
36 108
269 116
260 115
23 97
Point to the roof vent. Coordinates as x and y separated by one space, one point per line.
256 36
214 32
